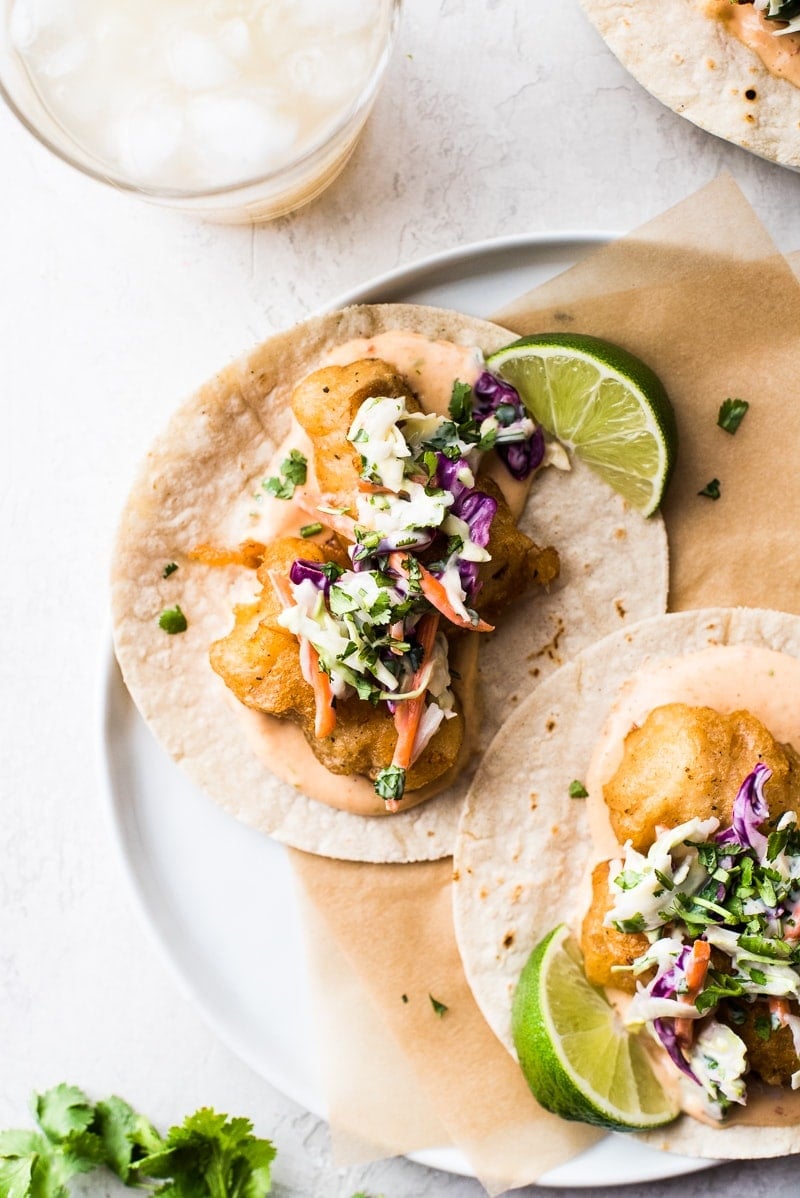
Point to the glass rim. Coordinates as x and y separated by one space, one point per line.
281 173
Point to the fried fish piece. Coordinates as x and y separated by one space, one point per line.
260 662
603 947
325 404
690 761
770 1050
516 561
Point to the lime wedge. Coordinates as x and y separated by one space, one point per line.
602 403
577 1058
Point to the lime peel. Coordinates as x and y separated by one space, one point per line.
578 1060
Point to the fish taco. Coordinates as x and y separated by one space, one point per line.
312 552
653 807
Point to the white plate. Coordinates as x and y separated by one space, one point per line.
197 873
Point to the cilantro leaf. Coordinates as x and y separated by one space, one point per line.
16 1175
439 1007
293 472
460 406
577 790
170 568
20 1155
763 1027
390 783
173 620
711 489
62 1110
731 414
126 1135
210 1156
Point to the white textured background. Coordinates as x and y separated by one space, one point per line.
497 117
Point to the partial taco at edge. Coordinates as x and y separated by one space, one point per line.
679 874
733 68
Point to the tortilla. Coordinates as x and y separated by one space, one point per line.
693 63
210 460
525 848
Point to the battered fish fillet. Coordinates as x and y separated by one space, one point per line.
690 761
260 662
603 947
517 562
770 1051
325 405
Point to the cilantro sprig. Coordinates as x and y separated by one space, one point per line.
294 470
206 1156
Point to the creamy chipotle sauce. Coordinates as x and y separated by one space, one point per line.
780 55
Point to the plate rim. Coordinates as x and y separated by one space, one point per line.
109 676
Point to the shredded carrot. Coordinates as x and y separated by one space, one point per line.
324 711
697 968
436 594
408 712
696 972
368 488
780 1008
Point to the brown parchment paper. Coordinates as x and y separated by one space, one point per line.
701 294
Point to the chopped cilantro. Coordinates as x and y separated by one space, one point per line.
439 1007
666 882
635 924
173 620
711 489
311 530
170 568
390 783
331 570
767 946
460 407
758 976
763 1027
577 790
293 473
776 843
718 986
731 414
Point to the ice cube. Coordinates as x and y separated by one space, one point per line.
335 16
148 137
197 64
66 58
234 38
320 75
28 19
235 137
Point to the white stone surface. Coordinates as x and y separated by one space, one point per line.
497 117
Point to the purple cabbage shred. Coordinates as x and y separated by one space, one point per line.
666 986
749 812
490 394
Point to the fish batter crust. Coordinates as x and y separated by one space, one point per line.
690 761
